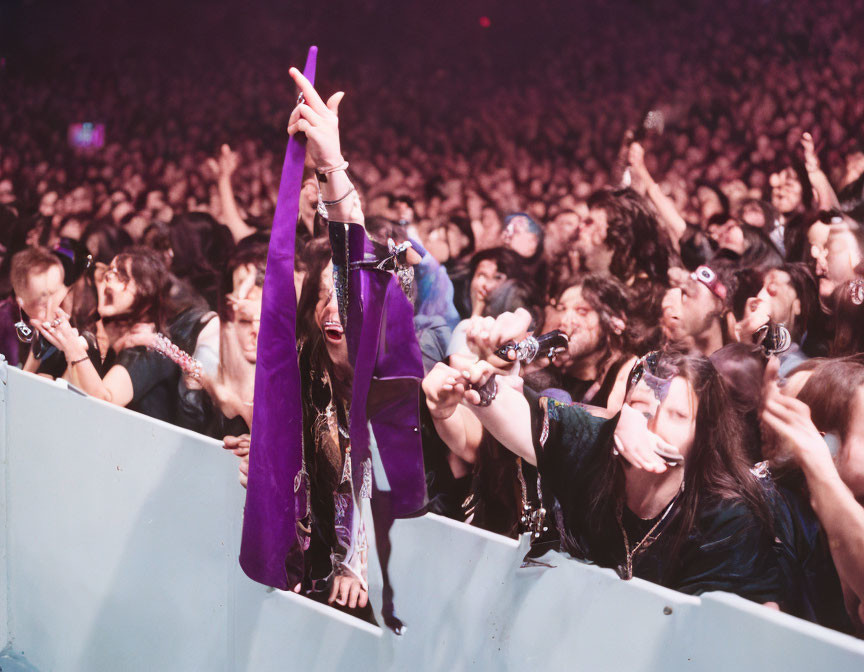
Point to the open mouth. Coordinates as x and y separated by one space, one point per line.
333 331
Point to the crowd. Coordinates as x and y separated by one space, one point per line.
689 216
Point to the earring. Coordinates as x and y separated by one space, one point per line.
23 331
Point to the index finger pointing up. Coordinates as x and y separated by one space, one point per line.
309 93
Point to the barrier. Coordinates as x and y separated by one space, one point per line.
119 551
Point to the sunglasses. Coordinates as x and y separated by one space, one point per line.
657 373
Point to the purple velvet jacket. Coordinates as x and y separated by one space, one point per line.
387 372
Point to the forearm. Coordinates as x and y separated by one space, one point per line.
461 432
842 517
31 365
85 376
670 218
230 212
508 419
824 191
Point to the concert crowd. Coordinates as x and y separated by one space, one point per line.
687 215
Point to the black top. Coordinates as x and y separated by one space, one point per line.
154 382
52 361
578 388
812 586
728 548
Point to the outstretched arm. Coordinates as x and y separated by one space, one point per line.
670 219
455 424
223 167
818 179
508 416
841 515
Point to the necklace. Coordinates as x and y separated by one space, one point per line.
625 571
533 518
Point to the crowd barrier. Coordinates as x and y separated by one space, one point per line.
119 552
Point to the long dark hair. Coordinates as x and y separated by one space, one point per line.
807 289
316 256
830 393
323 459
200 246
848 319
716 469
612 301
639 244
152 283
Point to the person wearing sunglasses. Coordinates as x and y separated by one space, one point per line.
662 490
132 294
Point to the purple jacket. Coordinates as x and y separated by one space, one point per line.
388 368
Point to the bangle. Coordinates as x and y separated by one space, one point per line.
187 363
324 172
78 361
323 205
339 200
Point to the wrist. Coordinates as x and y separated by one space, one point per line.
330 163
819 467
75 353
442 414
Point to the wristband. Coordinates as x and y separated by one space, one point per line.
78 361
324 172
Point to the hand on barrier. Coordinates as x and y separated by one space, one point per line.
348 591
239 445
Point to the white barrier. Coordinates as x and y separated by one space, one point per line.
119 553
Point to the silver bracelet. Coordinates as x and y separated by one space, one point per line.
338 200
322 204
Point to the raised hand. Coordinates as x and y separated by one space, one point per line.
62 335
141 334
319 121
790 420
225 164
636 160
485 334
811 161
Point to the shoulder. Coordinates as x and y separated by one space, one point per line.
141 360
727 522
570 434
